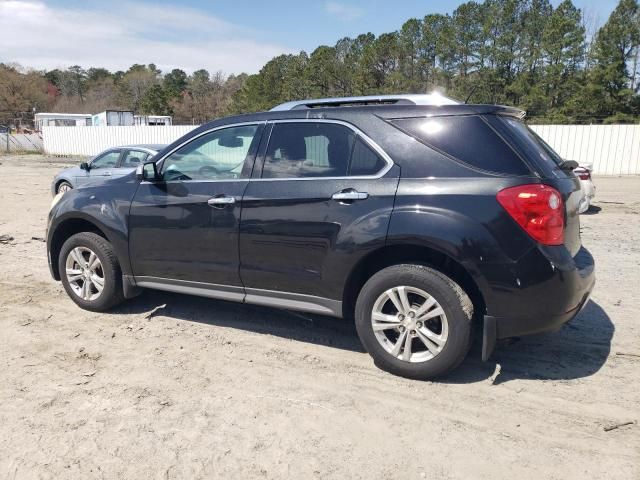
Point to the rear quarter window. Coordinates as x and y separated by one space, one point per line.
531 146
467 139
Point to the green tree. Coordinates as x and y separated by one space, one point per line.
175 82
610 87
155 101
563 45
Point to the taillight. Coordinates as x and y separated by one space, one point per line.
538 209
582 173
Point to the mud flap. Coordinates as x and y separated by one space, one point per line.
129 288
488 337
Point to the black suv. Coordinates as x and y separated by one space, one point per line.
419 221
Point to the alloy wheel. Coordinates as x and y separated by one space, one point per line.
409 324
85 273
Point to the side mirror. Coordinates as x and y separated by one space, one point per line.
148 172
85 166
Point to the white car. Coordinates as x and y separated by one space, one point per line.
583 172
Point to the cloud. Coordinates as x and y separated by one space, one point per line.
120 34
343 12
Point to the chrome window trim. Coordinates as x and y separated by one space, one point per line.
359 133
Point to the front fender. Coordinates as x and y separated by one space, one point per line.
105 207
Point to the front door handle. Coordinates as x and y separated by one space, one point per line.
108 174
220 202
350 196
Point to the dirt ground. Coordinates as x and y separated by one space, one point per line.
170 386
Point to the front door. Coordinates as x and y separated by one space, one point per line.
323 199
100 167
184 228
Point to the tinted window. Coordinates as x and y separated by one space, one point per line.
106 160
298 150
532 143
217 155
133 158
468 139
364 161
308 150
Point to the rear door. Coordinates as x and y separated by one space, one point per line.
184 228
321 196
130 160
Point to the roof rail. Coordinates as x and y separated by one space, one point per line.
434 98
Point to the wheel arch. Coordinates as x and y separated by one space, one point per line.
409 253
59 181
63 231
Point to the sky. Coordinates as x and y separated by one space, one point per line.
231 36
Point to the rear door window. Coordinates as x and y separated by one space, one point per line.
467 139
364 161
309 149
133 158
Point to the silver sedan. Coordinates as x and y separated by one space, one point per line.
114 162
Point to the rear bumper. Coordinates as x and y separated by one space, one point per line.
551 288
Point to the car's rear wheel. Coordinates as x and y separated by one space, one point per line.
90 272
414 321
64 186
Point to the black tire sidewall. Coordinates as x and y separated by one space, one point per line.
448 294
112 281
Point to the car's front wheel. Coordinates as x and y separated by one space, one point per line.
414 321
90 272
64 186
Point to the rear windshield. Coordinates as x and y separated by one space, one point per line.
531 146
468 139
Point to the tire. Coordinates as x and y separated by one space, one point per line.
63 186
448 333
108 271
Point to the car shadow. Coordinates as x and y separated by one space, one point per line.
302 327
578 350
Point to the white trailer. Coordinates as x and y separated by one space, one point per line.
61 120
153 119
119 118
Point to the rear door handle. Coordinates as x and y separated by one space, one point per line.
221 201
108 174
350 196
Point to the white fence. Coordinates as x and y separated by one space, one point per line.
20 142
612 149
93 140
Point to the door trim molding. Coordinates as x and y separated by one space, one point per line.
201 289
255 296
294 301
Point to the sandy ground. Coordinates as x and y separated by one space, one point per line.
170 386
